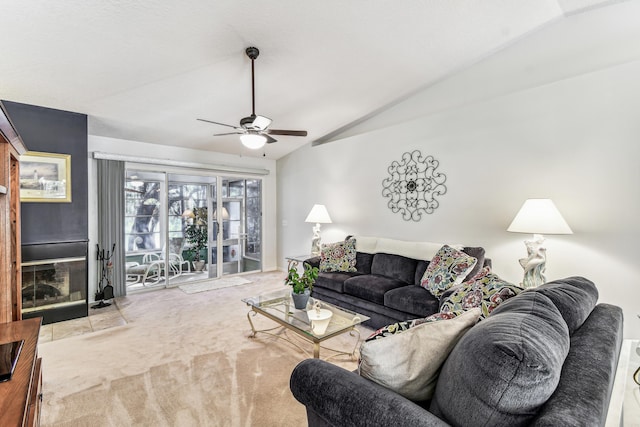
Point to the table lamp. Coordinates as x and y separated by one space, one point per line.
538 217
319 215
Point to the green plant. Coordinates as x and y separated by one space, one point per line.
300 283
196 232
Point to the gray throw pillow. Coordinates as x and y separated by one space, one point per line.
574 297
409 362
505 368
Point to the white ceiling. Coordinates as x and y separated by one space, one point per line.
145 70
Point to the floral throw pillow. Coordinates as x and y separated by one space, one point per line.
486 290
448 268
339 256
399 327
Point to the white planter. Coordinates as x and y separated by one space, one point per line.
319 319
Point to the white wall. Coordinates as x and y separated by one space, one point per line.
574 140
142 149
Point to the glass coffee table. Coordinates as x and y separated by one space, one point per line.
278 306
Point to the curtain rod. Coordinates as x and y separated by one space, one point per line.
178 163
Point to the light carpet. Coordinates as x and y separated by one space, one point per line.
210 285
181 360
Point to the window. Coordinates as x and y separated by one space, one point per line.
254 218
141 220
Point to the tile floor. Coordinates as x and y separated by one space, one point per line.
97 320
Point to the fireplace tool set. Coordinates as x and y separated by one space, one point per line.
105 272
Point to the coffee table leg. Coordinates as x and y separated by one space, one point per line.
253 329
316 350
355 331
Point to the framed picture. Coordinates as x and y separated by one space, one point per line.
45 177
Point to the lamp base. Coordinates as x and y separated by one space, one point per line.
535 264
315 242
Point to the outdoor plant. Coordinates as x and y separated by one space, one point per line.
301 282
196 232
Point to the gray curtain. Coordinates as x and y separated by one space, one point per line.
111 219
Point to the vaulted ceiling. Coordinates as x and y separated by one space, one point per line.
145 70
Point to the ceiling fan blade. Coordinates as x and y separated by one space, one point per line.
270 140
261 122
228 133
287 132
217 123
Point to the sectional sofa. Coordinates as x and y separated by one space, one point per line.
546 357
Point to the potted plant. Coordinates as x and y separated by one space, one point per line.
196 234
301 284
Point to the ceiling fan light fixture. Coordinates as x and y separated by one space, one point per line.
253 140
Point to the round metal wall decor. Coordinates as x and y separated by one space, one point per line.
413 185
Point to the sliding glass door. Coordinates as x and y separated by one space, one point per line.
188 234
184 227
144 225
238 245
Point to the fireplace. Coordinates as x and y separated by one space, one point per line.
54 281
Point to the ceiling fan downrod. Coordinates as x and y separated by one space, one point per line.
252 53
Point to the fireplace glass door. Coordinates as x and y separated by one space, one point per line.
53 283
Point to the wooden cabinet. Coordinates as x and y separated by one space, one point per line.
21 396
11 147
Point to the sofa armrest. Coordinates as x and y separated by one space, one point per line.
583 394
313 261
337 397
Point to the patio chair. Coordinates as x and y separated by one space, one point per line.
149 273
152 269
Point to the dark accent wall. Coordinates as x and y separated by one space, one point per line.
55 131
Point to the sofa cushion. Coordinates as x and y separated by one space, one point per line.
338 256
505 368
448 268
412 299
485 290
333 280
371 287
575 297
363 262
421 267
409 362
394 266
416 250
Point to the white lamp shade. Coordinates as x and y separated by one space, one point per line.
318 215
253 140
225 213
539 216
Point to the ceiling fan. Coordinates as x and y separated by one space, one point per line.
254 130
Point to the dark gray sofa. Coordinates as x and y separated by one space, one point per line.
385 287
546 357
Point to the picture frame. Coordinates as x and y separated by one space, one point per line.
45 177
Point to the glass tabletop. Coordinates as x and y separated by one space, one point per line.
278 305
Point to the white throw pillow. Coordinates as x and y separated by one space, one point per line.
409 362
